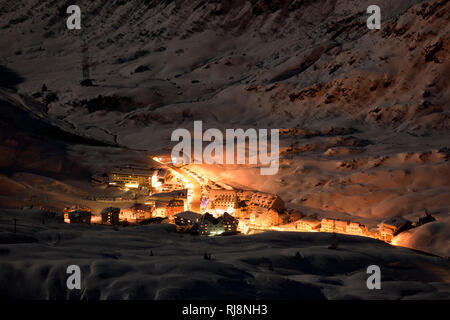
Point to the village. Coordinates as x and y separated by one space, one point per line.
194 204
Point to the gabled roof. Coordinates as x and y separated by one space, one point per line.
222 219
189 215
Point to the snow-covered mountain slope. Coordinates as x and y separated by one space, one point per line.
284 63
370 108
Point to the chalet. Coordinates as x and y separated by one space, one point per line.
186 220
110 216
209 225
187 217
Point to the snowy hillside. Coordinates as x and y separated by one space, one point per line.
154 262
365 117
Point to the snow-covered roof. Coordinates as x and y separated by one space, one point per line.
174 194
396 222
189 215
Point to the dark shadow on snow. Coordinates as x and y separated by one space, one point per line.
8 78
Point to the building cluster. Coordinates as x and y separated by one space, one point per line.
161 193
159 205
253 209
385 231
206 224
222 210
77 214
168 204
342 226
136 213
134 177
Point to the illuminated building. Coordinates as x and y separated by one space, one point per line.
77 215
356 228
333 225
374 233
342 226
225 224
391 227
110 215
221 201
171 186
264 218
131 176
261 199
174 207
136 177
168 209
244 225
241 210
242 203
136 213
162 200
307 224
186 220
160 209
386 232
